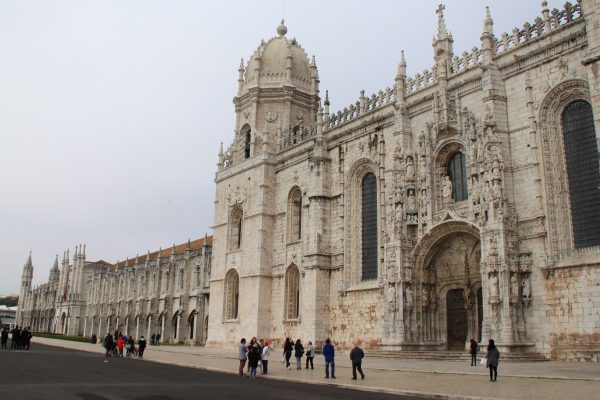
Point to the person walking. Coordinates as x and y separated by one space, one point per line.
473 352
287 351
141 347
329 354
242 357
310 354
492 356
298 353
253 357
108 343
356 355
4 338
120 345
266 350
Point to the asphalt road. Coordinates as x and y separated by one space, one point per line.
46 372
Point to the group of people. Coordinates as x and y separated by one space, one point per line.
257 353
114 345
491 359
20 338
155 339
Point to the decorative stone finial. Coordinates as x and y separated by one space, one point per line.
326 98
282 29
442 31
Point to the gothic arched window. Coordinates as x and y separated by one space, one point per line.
292 292
369 226
581 154
457 171
235 229
232 294
295 215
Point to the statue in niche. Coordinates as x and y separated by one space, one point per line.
411 202
496 191
423 167
410 168
447 189
514 286
391 294
398 156
493 285
487 193
433 297
526 288
475 189
424 296
409 296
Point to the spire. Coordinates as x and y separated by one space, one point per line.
488 23
55 266
487 38
84 251
282 29
173 250
401 66
189 244
241 76
442 31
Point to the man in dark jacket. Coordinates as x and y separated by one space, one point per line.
329 353
356 355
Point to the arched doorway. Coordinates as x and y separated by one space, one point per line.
192 325
449 282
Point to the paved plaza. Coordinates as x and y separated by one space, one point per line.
53 373
414 378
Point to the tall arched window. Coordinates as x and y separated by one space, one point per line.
581 154
369 226
295 215
292 292
232 294
247 145
235 228
457 172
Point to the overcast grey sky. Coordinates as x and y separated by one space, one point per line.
111 112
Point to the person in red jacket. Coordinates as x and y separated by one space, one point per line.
120 345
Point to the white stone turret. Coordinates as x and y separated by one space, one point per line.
26 279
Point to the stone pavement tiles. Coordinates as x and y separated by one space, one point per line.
447 379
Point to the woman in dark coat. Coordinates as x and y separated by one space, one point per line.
298 353
253 357
287 351
493 356
473 352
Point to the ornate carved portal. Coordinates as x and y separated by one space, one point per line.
449 304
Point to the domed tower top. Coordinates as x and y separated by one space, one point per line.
279 61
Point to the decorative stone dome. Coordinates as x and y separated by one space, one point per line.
270 62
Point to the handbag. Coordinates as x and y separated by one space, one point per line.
483 361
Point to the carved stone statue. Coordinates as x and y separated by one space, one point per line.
487 193
496 191
526 288
411 202
410 168
514 286
391 294
447 189
493 285
475 193
409 296
424 296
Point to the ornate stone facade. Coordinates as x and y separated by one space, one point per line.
472 218
164 292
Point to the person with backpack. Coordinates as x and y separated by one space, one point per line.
310 354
